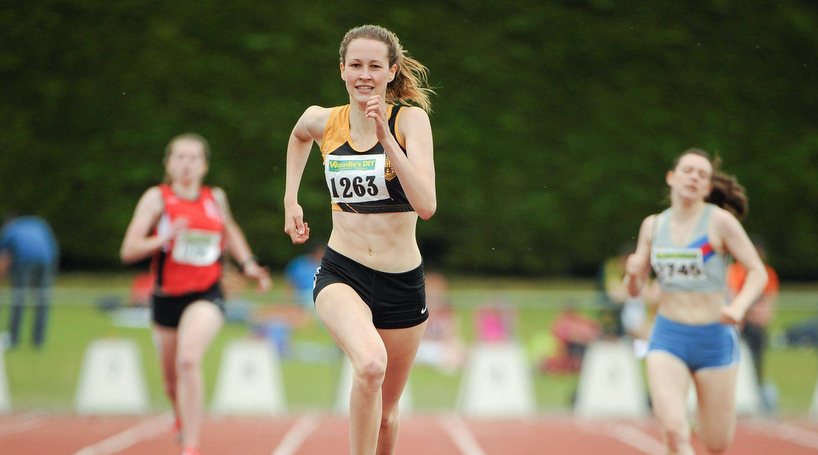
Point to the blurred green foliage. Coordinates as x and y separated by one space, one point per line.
554 121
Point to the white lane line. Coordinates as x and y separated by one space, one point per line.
21 424
297 435
120 441
787 432
461 435
628 435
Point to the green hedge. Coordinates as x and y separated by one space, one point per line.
554 123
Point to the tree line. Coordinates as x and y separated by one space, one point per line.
554 122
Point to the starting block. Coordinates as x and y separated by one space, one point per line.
497 382
249 381
112 380
610 382
5 399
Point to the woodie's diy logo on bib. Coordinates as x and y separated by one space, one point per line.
352 179
351 165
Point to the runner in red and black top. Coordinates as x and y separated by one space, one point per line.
186 228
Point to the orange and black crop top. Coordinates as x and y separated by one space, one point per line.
361 181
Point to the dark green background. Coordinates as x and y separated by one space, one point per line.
554 122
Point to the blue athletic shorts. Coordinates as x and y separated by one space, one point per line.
698 346
397 300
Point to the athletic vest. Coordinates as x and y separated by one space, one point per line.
360 181
191 262
696 267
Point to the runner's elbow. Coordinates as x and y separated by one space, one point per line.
427 210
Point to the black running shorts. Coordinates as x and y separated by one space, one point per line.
167 309
397 300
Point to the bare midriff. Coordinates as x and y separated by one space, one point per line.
381 241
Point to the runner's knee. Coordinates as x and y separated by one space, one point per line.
371 372
717 444
389 419
678 436
187 363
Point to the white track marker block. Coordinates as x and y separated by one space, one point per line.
5 398
610 382
748 392
813 409
497 382
405 406
112 380
250 381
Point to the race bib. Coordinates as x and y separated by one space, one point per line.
678 265
356 178
197 247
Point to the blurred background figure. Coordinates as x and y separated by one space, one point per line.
573 333
613 294
758 316
300 274
141 289
29 251
187 229
441 346
495 321
621 314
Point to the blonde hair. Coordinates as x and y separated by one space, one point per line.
410 83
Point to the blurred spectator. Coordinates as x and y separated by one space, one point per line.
754 327
29 249
613 294
622 314
495 321
441 346
573 332
141 288
300 273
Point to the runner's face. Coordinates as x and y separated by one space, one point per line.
691 178
187 162
366 70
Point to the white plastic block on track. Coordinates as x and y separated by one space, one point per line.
610 382
112 380
497 382
5 397
250 380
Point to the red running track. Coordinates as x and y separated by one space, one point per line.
432 434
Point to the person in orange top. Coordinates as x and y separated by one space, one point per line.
754 329
186 227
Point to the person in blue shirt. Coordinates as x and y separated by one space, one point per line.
28 246
300 273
